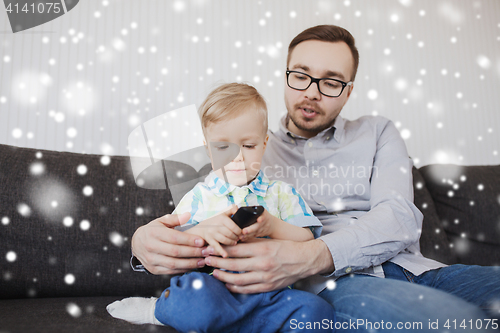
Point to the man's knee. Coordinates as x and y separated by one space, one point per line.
311 308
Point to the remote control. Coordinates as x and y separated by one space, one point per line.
246 216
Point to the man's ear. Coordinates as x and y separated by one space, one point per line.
349 91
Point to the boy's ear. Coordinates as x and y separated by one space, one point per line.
265 141
206 148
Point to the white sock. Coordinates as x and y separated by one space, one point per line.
137 310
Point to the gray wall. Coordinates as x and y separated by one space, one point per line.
432 66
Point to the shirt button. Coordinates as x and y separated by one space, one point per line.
293 141
315 172
348 270
328 138
310 144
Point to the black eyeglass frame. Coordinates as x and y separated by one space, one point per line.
313 80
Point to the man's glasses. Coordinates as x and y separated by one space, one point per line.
328 87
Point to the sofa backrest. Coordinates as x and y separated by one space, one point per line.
66 221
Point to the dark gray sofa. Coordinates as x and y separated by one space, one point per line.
65 254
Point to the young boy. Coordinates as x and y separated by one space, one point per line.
234 122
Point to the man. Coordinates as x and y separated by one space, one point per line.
356 177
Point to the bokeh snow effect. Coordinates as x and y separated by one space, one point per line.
51 198
432 66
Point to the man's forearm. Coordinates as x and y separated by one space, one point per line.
311 258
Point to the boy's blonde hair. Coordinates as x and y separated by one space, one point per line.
229 101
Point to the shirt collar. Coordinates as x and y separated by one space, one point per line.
220 188
337 130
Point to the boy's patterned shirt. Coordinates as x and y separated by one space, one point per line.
214 196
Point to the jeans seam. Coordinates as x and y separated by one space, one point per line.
409 275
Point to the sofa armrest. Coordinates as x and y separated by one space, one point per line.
467 200
434 242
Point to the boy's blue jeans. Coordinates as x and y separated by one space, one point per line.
456 298
199 302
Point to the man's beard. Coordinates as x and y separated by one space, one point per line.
302 124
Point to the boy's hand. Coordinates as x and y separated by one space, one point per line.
217 230
263 227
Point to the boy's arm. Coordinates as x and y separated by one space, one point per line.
296 221
287 231
272 226
295 212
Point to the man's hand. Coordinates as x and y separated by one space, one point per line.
217 230
164 250
270 264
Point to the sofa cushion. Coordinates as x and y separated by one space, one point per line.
67 314
433 242
66 224
467 200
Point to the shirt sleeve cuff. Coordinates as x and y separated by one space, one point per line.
137 265
338 247
305 221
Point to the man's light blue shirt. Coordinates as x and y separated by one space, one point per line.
357 178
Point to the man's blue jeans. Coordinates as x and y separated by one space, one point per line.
455 298
200 303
